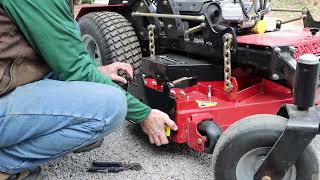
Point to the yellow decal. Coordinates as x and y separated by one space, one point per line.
204 104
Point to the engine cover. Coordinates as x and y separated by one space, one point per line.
232 11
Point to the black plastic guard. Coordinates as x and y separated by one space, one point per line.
153 98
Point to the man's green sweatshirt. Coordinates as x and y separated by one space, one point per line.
49 27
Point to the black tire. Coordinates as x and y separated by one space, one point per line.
255 133
115 38
212 132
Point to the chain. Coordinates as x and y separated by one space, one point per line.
152 47
227 39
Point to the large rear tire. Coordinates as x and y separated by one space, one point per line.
109 37
242 148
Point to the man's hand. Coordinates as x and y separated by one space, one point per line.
112 70
153 126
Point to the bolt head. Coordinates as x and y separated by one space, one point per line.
182 93
171 85
141 4
172 92
154 83
199 141
292 49
124 2
165 3
275 77
277 50
169 26
209 43
305 10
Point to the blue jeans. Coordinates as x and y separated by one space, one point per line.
47 119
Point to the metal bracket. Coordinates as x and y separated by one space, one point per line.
302 127
195 139
173 27
309 22
283 65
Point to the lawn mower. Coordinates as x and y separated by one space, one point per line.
235 88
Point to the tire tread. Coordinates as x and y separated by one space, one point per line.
119 38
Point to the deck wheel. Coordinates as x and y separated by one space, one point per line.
242 148
212 132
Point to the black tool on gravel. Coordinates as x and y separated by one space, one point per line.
113 167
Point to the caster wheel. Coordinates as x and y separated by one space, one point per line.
212 132
242 148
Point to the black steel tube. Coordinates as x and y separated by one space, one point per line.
306 81
292 20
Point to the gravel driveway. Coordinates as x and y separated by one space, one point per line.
129 144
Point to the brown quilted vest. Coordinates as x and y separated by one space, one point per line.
19 63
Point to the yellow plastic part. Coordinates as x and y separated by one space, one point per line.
204 104
167 130
260 27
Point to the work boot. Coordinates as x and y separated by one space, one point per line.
89 147
24 175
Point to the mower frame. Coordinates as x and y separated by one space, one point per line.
194 95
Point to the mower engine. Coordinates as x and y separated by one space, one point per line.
243 13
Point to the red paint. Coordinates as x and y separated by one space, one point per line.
194 139
250 95
253 96
301 39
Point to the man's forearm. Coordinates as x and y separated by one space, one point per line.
49 28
